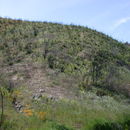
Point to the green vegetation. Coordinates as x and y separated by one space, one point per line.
70 115
91 68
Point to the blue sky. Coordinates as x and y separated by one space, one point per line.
109 16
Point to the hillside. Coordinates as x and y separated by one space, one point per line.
78 76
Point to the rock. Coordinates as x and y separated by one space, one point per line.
51 98
18 106
14 78
41 90
37 96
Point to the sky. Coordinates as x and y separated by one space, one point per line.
111 17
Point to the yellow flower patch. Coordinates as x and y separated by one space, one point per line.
41 115
28 112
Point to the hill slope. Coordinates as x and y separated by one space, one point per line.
73 50
65 62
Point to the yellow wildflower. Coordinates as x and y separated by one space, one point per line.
41 115
28 112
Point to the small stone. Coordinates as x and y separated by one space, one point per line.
37 96
41 90
15 78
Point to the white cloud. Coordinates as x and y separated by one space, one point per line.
120 22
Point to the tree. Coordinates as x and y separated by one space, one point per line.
3 93
45 52
100 63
